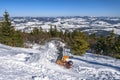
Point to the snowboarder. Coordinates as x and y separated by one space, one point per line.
62 60
60 56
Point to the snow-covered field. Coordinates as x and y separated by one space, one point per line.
38 63
87 24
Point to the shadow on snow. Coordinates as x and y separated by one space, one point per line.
96 63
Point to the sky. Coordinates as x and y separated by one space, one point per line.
53 8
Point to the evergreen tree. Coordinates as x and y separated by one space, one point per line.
100 46
79 45
66 35
41 30
7 32
17 39
110 42
117 45
55 32
35 34
51 31
61 34
92 39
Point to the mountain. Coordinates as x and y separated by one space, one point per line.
38 63
90 24
87 24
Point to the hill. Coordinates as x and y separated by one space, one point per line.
38 63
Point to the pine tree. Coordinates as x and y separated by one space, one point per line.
66 35
7 32
51 31
55 32
17 39
61 34
110 42
92 39
100 46
41 30
79 45
117 45
35 34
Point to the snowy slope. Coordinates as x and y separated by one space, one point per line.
38 63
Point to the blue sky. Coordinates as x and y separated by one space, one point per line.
61 7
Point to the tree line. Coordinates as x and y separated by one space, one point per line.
105 45
77 40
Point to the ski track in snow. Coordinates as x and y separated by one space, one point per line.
39 64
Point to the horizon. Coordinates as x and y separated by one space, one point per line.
60 8
59 16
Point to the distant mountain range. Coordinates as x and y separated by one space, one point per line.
98 25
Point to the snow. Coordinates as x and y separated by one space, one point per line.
101 23
38 63
68 23
116 31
